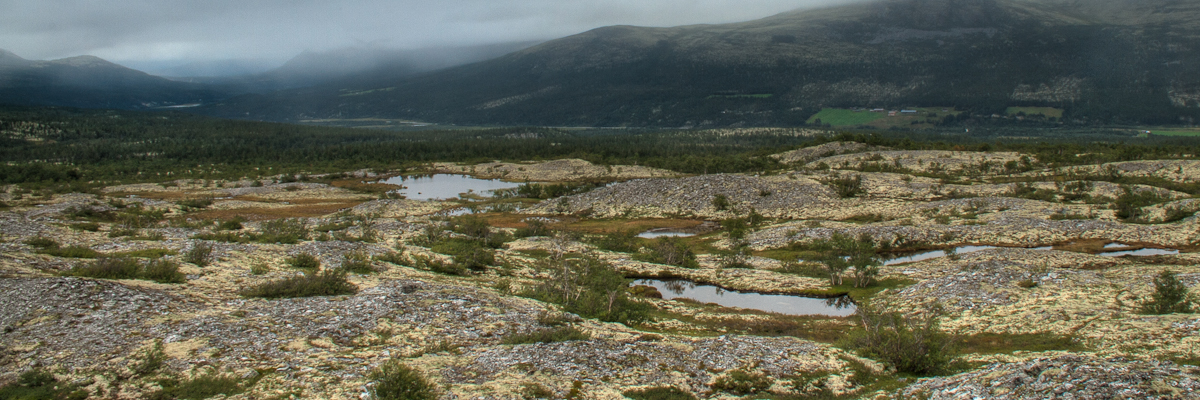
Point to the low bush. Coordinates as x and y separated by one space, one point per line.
323 283
70 252
620 241
434 265
284 231
659 393
86 226
533 228
742 382
910 344
200 254
37 384
303 261
198 387
591 288
560 334
161 271
672 251
234 224
357 262
42 242
226 237
395 381
393 257
149 360
195 204
846 187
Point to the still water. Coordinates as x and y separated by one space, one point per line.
779 303
664 232
445 186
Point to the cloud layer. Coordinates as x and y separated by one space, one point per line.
149 31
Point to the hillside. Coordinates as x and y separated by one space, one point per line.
1103 61
88 81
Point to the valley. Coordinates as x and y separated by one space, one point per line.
461 298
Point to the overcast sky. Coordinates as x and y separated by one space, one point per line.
144 31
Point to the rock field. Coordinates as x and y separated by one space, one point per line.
1046 275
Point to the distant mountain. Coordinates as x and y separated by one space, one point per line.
1101 60
91 82
314 68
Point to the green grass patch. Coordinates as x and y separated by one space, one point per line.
560 334
996 343
844 117
161 271
200 387
1176 132
38 384
1048 112
146 253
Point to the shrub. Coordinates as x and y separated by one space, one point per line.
86 226
150 360
198 387
392 257
673 251
122 232
162 271
200 254
42 242
109 268
721 202
1170 296
70 252
40 384
303 261
911 344
742 382
737 227
1027 283
323 283
560 334
232 225
396 381
620 241
357 262
1129 205
259 268
533 228
591 288
285 231
195 204
659 393
227 237
433 265
846 187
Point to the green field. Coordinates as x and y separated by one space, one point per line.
844 117
1048 112
1175 132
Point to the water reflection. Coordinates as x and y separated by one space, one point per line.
783 304
445 186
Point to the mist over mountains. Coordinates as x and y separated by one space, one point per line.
1103 61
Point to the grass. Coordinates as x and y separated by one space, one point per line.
324 283
199 387
844 117
560 334
70 252
145 253
996 343
1176 132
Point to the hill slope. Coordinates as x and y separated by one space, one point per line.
90 82
1103 60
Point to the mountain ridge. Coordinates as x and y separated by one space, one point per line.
981 55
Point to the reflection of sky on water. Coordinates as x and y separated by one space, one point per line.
445 186
783 304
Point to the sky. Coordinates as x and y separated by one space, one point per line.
165 32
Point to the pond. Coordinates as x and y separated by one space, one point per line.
940 253
445 186
664 232
1140 252
778 303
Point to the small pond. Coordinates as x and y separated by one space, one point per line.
445 186
779 303
939 253
664 232
1140 252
